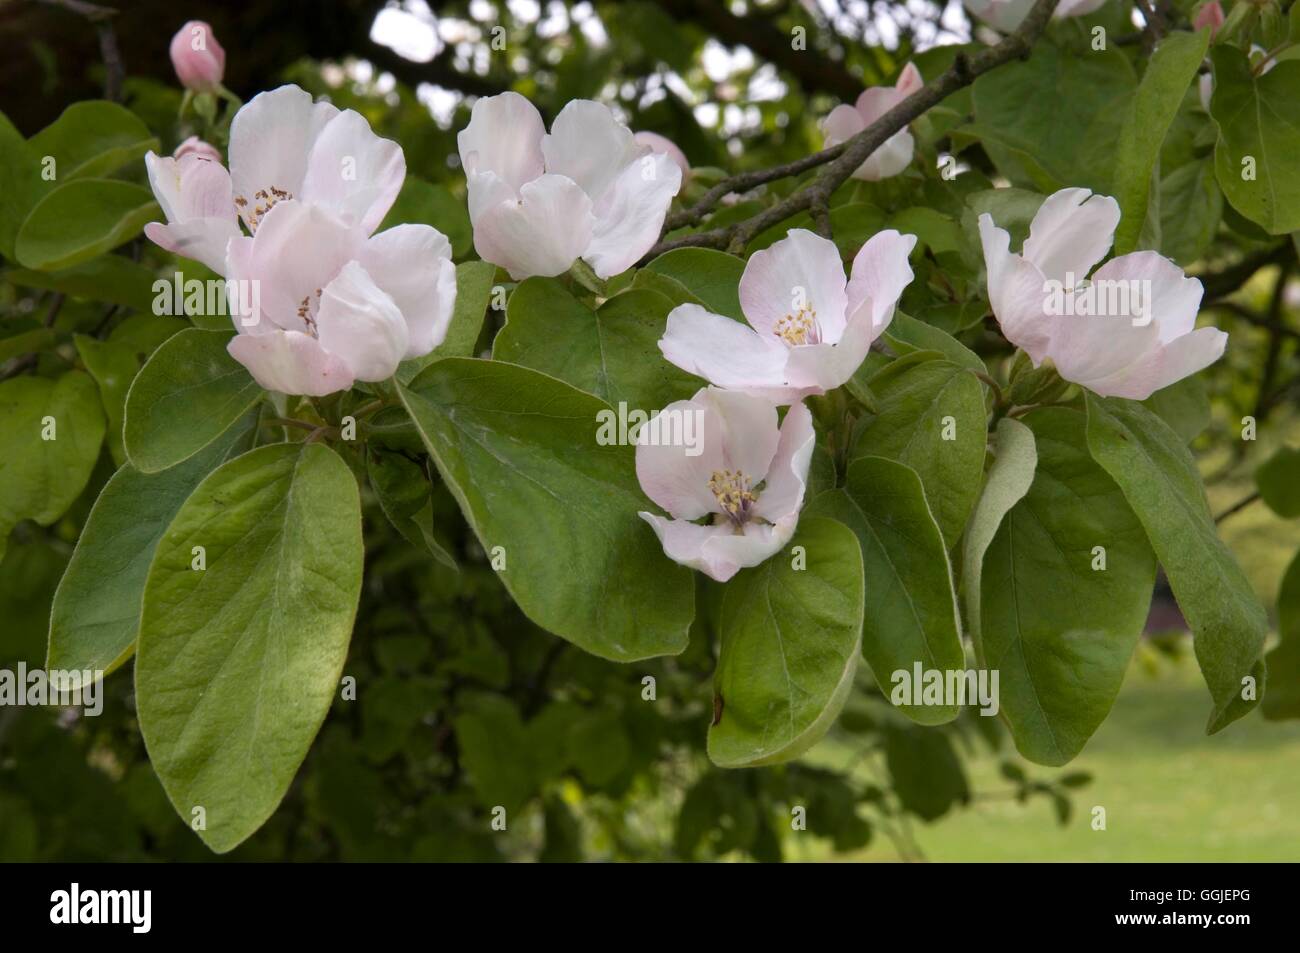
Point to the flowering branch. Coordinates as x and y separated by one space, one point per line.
840 161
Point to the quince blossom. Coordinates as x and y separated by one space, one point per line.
747 476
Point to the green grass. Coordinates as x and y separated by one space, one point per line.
1170 792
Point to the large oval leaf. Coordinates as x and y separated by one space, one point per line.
237 663
712 278
49 443
1058 632
929 414
93 138
790 641
187 394
519 450
912 613
1153 467
96 611
81 219
612 352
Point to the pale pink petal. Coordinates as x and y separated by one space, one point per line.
297 251
817 368
1167 296
542 233
842 123
504 136
1165 365
889 159
1070 233
630 215
243 294
270 140
361 324
1093 349
802 271
719 551
743 426
1002 15
290 362
201 239
195 196
354 173
589 145
909 80
664 145
881 273
412 264
674 460
1017 293
787 477
874 101
722 351
1077 8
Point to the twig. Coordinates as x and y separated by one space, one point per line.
1237 507
852 153
29 360
102 19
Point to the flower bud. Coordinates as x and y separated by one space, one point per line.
194 146
199 60
1210 15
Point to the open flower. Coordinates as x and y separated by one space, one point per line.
808 329
845 121
588 190
318 301
746 480
1006 15
1133 328
197 57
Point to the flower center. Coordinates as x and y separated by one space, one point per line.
732 490
307 312
265 200
798 328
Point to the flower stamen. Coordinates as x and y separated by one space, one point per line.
732 490
798 328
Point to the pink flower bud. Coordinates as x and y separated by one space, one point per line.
194 146
199 60
1210 15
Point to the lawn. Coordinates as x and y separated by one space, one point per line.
1170 792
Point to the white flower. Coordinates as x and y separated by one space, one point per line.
844 122
1138 333
588 190
809 330
748 479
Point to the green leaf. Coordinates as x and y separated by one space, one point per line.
612 352
92 139
1008 480
115 279
24 336
1059 115
82 219
789 648
403 491
711 276
96 611
1191 207
1169 73
1283 697
426 203
238 663
912 617
518 449
920 401
1151 464
494 748
906 334
927 774
187 395
1278 479
1259 119
1184 406
474 283
1059 632
20 171
113 366
49 443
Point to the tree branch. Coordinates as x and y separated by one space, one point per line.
841 161
102 19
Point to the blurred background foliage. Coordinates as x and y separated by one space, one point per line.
461 703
